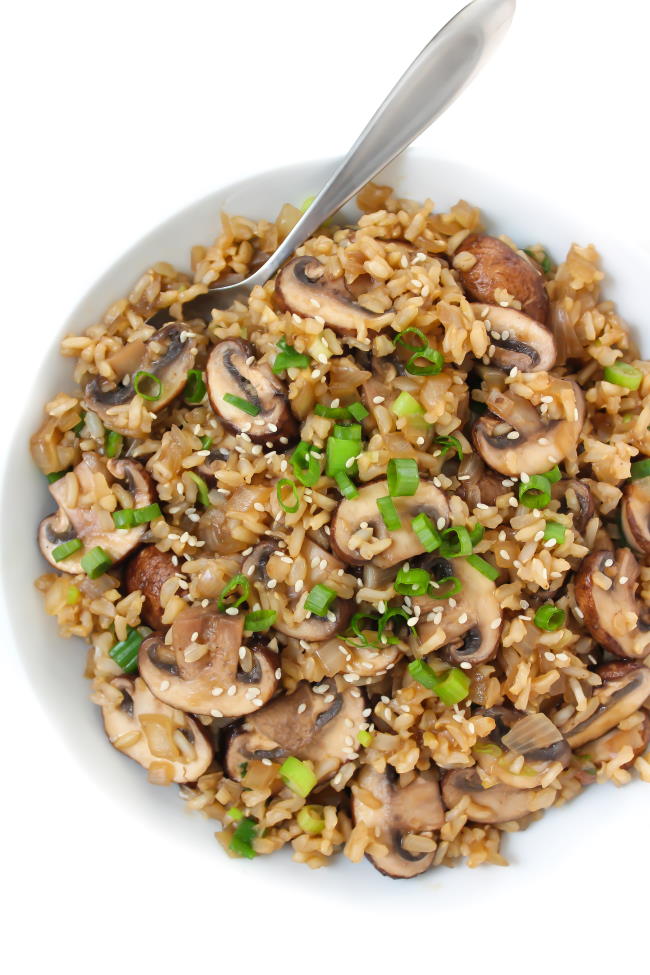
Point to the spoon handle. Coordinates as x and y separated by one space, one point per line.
436 77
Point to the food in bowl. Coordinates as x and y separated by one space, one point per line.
362 564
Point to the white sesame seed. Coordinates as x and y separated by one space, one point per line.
216 691
164 685
513 435
232 690
216 713
483 507
495 624
232 611
462 618
524 478
504 554
440 523
301 707
378 399
623 580
466 665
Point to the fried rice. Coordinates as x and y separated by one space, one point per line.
362 563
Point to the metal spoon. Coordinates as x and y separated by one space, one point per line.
439 73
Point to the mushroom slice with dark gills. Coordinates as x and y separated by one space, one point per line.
525 751
167 742
470 629
492 805
498 266
233 370
85 501
286 590
304 288
320 728
359 535
147 571
625 689
635 514
397 814
167 355
575 499
201 670
515 438
605 591
518 340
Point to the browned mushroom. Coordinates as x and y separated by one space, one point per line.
498 266
518 341
233 370
635 514
167 355
358 532
514 438
495 804
201 670
605 591
609 746
397 815
170 744
81 514
147 570
468 626
576 499
624 690
318 727
304 288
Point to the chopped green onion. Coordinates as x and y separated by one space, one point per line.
281 485
201 488
147 386
80 425
238 582
123 518
639 469
623 374
66 549
125 653
454 586
454 687
455 542
235 813
546 263
260 620
403 477
391 613
351 432
536 492
304 206
554 475
345 485
73 595
388 512
242 839
365 738
434 360
450 443
194 387
310 820
423 674
288 358
356 626
141 516
426 532
206 442
357 411
305 463
549 618
483 567
96 562
553 529
341 456
113 443
406 405
298 776
476 534
56 476
412 582
319 600
332 412
242 404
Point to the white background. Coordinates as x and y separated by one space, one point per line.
116 115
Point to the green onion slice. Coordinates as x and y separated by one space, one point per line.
125 653
237 583
426 532
341 455
194 387
141 516
292 507
412 582
96 562
357 411
450 586
310 820
147 386
365 738
403 477
288 358
623 374
242 404
454 686
546 263
201 488
450 443
306 463
549 618
406 405
66 549
297 776
113 443
455 542
80 425
73 595
206 442
123 518
389 514
423 674
56 476
235 813
554 475
480 564
319 600
433 360
351 432
260 620
345 485
476 534
536 492
393 612
553 529
639 469
242 839
332 412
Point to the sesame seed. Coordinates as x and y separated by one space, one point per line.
216 713
440 523
513 435
466 665
504 554
216 691
623 580
194 636
378 399
267 761
483 507
549 656
462 618
301 707
495 624
232 611
164 685
524 478
232 690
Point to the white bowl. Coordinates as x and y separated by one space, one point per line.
555 852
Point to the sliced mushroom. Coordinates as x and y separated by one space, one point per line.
519 341
635 514
168 355
233 369
498 266
81 515
321 567
468 631
303 287
479 485
618 697
170 744
366 663
357 545
605 591
539 442
415 808
201 670
147 570
609 746
321 728
495 804
522 748
576 499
